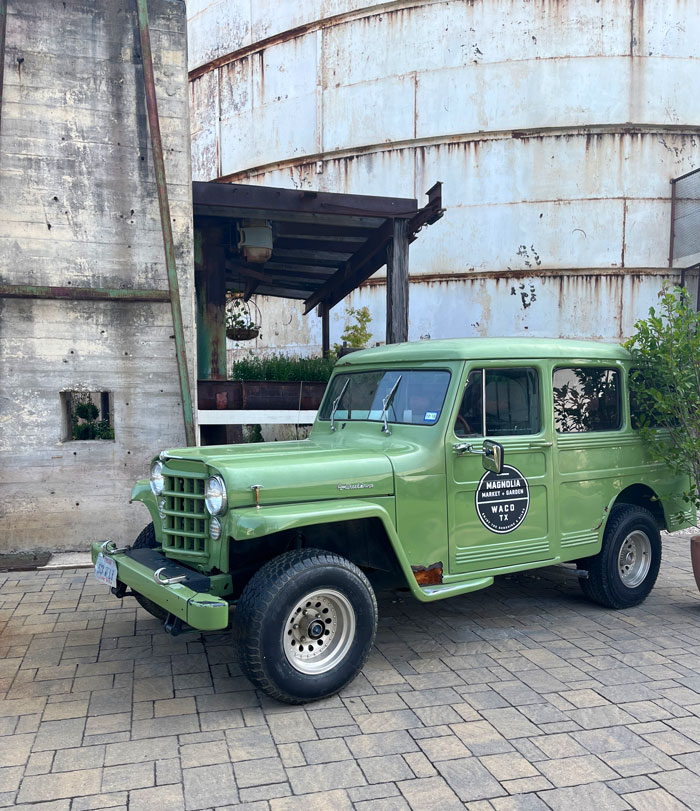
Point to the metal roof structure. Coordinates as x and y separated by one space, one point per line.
325 244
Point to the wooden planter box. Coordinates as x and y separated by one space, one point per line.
259 394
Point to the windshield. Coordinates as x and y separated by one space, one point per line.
418 398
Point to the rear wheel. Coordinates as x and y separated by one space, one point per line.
147 540
305 625
623 573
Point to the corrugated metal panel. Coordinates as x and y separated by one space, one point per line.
554 126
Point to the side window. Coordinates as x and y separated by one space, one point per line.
500 402
586 399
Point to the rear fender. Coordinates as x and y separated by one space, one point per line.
252 523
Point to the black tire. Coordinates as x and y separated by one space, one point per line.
262 621
147 540
605 584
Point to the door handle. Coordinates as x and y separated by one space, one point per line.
540 445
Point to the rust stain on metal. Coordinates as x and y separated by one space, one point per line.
605 512
428 575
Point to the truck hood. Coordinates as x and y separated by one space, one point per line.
290 472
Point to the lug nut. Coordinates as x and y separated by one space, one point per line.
295 626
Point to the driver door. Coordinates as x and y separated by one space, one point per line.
501 521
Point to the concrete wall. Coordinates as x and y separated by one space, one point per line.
78 207
554 126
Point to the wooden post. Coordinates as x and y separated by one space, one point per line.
397 285
210 290
324 311
210 285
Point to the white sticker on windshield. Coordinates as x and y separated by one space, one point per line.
430 416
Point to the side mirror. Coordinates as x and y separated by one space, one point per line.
492 458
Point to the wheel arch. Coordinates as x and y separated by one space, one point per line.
361 531
641 495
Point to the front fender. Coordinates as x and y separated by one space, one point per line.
142 492
252 522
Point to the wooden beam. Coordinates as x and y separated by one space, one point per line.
397 285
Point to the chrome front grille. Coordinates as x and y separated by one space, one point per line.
186 523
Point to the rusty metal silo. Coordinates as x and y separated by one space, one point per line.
555 126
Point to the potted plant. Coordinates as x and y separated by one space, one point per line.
665 389
240 324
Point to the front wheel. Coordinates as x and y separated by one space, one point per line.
623 573
305 625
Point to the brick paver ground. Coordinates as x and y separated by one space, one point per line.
523 696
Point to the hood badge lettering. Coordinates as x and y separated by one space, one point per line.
356 486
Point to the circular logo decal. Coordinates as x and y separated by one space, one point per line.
502 501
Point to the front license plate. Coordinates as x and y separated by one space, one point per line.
106 570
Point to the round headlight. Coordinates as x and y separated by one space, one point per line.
157 480
214 528
215 495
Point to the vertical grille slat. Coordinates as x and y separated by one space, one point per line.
187 522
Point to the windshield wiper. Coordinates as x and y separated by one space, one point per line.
386 402
336 403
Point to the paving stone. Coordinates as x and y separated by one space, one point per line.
672 743
469 779
291 727
481 738
682 784
654 800
325 777
131 776
56 786
430 794
138 751
259 772
596 797
83 757
161 798
525 802
59 734
204 754
207 786
320 801
511 723
575 771
447 747
385 768
381 743
608 739
508 766
250 743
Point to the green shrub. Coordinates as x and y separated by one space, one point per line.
665 383
281 368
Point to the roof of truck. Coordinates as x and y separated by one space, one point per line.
487 348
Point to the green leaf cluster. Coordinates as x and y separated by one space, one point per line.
281 367
357 334
665 383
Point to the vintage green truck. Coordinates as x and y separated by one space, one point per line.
446 463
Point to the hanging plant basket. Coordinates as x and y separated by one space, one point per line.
242 333
241 324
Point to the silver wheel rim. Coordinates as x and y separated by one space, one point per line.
319 631
634 559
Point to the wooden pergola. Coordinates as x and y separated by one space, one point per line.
324 246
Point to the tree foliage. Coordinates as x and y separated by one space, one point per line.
665 383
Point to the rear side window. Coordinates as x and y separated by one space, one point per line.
500 402
586 399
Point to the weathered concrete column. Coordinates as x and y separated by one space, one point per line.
397 285
210 285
